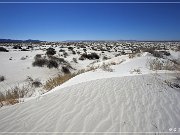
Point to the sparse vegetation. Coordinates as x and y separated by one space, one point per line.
13 95
158 64
138 71
106 67
56 81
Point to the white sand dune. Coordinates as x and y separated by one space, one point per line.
142 103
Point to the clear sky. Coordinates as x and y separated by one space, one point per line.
57 22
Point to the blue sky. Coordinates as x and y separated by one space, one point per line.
57 22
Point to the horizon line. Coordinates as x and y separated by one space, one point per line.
98 2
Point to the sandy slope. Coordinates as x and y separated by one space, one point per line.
142 103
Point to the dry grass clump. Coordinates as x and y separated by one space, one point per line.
157 64
138 71
53 82
131 56
106 67
13 95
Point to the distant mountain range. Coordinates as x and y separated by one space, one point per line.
38 41
19 41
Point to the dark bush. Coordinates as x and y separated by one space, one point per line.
36 83
52 64
65 54
38 56
94 56
2 49
29 47
165 53
157 54
84 50
58 60
61 50
81 58
40 62
65 70
2 78
150 50
70 48
24 50
73 52
17 47
89 56
75 60
51 51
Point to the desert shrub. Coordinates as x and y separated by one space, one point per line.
84 49
36 83
24 50
29 79
138 71
81 58
84 55
157 54
23 58
89 56
30 47
117 55
75 60
93 56
172 84
106 67
50 61
157 64
58 60
17 47
105 58
50 51
65 70
56 81
2 49
2 99
70 48
165 53
61 50
38 56
73 52
52 64
131 56
178 77
65 54
178 48
150 50
40 62
138 54
2 78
